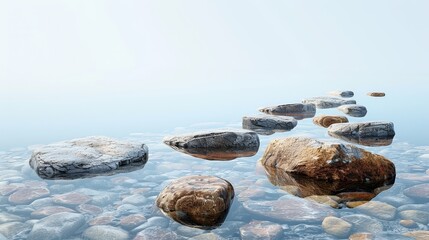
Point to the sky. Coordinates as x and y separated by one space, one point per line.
87 66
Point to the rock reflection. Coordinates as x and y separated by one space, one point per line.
220 155
365 141
333 193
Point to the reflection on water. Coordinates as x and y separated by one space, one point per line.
220 155
365 141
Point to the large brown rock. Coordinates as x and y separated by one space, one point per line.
326 121
197 201
327 161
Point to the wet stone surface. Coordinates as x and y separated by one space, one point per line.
265 124
328 102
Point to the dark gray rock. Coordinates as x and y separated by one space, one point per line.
296 110
353 110
216 145
363 130
87 157
328 102
344 94
263 124
57 226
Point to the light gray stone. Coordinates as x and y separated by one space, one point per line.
87 157
156 232
103 232
7 217
261 230
14 230
415 215
336 226
57 226
266 123
328 102
344 94
378 209
363 130
363 223
296 110
353 110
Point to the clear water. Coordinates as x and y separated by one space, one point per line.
134 193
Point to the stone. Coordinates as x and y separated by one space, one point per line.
87 157
378 209
344 94
327 161
103 232
264 124
207 236
102 220
49 210
135 199
296 110
7 217
356 196
415 215
289 209
132 221
328 102
353 204
89 208
156 232
71 198
216 145
363 130
324 199
408 223
363 223
353 110
420 191
197 201
57 226
361 236
418 235
376 94
14 230
261 230
336 226
28 195
327 120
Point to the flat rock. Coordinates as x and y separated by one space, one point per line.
415 215
363 223
327 120
418 235
86 157
132 221
103 232
197 201
344 94
327 161
361 236
49 210
336 226
296 110
14 230
376 94
263 124
27 195
261 230
216 145
365 131
7 217
378 209
71 198
57 226
156 232
420 191
328 102
353 110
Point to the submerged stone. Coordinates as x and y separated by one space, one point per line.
326 121
57 226
86 157
261 230
363 223
296 110
418 235
344 94
420 191
103 232
336 226
156 232
378 209
27 195
197 201
353 110
328 102
264 124
216 145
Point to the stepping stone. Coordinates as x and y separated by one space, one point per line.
328 102
353 110
296 110
264 124
344 94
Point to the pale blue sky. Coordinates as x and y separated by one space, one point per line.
89 64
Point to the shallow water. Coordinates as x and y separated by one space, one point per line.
109 199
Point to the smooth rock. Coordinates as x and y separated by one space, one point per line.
102 220
408 223
344 94
296 110
28 195
324 199
86 157
327 120
7 217
420 191
361 236
103 232
363 130
353 204
14 230
49 210
328 102
415 215
356 196
57 226
157 233
261 230
71 198
418 235
353 110
264 124
207 236
135 199
216 145
336 226
363 223
132 221
327 161
378 209
89 208
376 94
197 201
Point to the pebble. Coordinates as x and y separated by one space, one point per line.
353 204
157 233
376 94
57 226
261 230
7 217
103 232
328 102
361 236
72 198
336 226
331 201
132 221
207 236
420 191
326 121
14 230
344 94
418 235
49 210
408 223
415 215
379 210
89 208
27 195
135 199
353 110
363 223
102 220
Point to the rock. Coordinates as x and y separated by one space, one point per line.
216 145
102 220
87 157
376 94
418 235
353 204
408 223
7 217
420 191
71 198
264 124
156 232
324 199
2 237
14 230
296 110
261 230
356 196
326 121
291 209
57 226
132 221
344 94
27 195
415 215
135 199
379 210
197 201
103 232
361 236
336 226
363 130
207 236
328 102
47 211
328 161
353 110
89 208
363 223
161 222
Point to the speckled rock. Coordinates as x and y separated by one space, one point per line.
57 226
216 145
336 226
265 123
86 157
363 223
327 161
418 235
27 195
378 209
327 120
420 191
296 110
328 102
363 130
156 232
344 94
408 223
353 110
197 201
103 232
261 230
415 215
376 94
